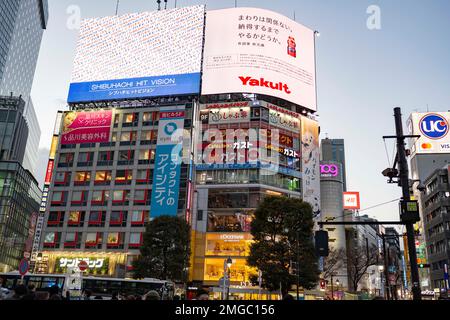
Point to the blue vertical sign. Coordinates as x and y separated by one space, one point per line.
166 174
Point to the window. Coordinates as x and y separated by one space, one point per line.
140 196
116 120
135 239
75 218
130 119
79 197
97 218
82 178
115 240
146 135
118 218
120 197
72 240
99 197
51 239
124 176
145 156
58 198
126 157
128 138
93 239
143 176
147 117
102 177
55 218
105 158
66 160
62 178
85 159
137 218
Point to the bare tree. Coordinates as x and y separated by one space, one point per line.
359 259
335 260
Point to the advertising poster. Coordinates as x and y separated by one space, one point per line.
135 55
86 127
311 164
166 176
433 128
259 51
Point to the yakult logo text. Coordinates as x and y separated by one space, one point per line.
434 126
261 82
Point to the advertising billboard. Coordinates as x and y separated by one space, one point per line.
351 200
169 149
433 128
138 55
86 127
259 51
310 163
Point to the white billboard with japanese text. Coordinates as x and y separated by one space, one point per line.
259 51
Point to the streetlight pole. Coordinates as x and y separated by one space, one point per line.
332 289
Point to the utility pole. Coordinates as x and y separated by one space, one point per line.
404 184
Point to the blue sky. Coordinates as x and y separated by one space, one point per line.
362 74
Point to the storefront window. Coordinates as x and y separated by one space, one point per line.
234 222
228 244
239 271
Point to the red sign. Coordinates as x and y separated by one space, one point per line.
48 175
83 265
351 200
23 267
86 127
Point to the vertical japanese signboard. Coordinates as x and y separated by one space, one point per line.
311 164
86 127
166 175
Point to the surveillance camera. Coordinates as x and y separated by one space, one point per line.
421 187
390 173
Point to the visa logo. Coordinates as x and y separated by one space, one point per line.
445 146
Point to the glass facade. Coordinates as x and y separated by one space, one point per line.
22 23
19 198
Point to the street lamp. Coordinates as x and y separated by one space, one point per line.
226 277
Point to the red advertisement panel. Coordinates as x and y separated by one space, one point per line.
86 127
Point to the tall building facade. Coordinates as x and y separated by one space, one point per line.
436 206
20 195
23 24
109 172
334 150
429 153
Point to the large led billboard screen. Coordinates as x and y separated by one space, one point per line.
139 55
259 51
433 129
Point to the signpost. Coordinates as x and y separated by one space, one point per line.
23 267
74 281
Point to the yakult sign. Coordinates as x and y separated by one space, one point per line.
259 51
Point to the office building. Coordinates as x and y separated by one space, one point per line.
23 24
436 206
20 195
106 174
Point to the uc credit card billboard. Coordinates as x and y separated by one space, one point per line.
138 55
259 51
433 129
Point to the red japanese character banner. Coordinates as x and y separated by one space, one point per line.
86 127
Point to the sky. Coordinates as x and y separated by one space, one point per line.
362 73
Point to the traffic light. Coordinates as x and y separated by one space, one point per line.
321 238
323 284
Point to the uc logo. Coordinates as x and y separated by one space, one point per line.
433 126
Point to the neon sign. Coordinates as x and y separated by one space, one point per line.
329 170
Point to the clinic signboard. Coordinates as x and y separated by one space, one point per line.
86 127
